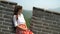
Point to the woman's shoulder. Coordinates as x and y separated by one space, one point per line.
14 15
21 15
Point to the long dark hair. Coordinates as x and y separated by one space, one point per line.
17 8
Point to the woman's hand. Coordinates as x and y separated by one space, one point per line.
23 27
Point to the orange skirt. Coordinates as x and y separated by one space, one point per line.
20 31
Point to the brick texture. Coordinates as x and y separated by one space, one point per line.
6 14
45 22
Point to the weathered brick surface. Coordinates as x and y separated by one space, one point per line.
45 22
6 14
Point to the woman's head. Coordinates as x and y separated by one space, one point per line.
18 10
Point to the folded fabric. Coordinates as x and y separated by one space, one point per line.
23 31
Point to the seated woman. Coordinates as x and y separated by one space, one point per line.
19 21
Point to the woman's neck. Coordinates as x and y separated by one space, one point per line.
19 14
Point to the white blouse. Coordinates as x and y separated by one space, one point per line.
20 20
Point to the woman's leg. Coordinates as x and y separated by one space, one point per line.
18 31
21 31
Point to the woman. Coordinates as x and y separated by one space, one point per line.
19 21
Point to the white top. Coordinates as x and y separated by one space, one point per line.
20 20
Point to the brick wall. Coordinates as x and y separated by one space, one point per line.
45 22
6 13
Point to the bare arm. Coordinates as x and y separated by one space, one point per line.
23 26
15 21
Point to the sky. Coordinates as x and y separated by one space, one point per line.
45 4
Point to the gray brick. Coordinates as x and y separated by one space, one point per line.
8 20
0 15
56 26
0 29
42 33
0 22
58 23
0 12
6 13
34 31
44 30
7 16
55 32
36 22
12 29
6 9
1 32
5 30
7 23
4 27
1 19
7 33
47 21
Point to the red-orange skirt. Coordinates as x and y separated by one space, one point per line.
20 31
